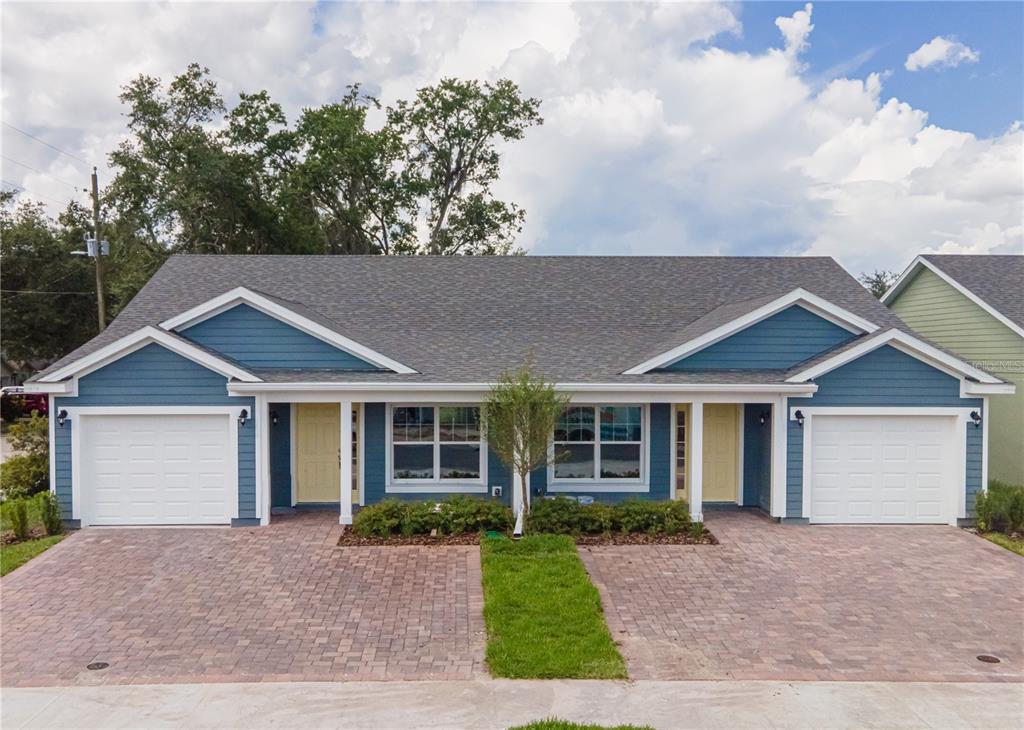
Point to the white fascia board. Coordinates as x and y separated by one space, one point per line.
801 297
905 343
140 338
64 387
911 272
969 389
240 295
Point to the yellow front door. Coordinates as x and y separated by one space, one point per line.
317 443
721 427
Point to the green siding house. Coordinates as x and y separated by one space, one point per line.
974 307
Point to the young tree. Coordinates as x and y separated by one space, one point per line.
518 420
878 282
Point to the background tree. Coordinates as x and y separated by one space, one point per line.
518 419
878 282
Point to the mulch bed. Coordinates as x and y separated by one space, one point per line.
350 539
34 533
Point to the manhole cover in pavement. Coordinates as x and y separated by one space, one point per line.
988 659
97 665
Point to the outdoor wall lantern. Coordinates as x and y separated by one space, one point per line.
243 416
799 416
273 417
765 415
62 416
976 417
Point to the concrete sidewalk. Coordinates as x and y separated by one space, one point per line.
500 704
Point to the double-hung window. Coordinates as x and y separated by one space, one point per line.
436 444
600 443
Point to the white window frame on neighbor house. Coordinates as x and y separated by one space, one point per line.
599 484
435 483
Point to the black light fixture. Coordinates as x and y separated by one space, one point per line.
243 416
976 417
799 416
273 417
765 415
62 416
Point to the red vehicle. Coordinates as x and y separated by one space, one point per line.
16 399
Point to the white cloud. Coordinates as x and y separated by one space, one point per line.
944 52
656 140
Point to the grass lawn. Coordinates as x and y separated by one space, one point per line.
13 556
543 614
1013 544
554 724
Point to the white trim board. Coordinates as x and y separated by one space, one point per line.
800 297
904 342
136 341
911 271
242 295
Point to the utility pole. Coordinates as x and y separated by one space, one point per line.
101 310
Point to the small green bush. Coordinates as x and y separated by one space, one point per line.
1001 508
637 515
566 516
558 516
597 519
696 530
19 518
23 475
457 515
49 512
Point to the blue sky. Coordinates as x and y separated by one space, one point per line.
682 128
858 37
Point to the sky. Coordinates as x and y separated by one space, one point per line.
870 132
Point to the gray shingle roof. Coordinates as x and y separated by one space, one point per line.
997 280
581 319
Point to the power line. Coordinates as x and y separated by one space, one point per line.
40 291
43 141
41 172
22 189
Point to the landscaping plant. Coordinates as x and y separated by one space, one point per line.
1001 508
28 471
49 512
19 518
564 515
457 515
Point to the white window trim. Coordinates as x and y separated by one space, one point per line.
435 484
800 297
597 484
76 413
911 271
241 295
905 343
136 341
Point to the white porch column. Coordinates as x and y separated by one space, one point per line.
780 423
696 435
345 459
261 420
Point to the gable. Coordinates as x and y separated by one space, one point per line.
152 375
258 340
777 342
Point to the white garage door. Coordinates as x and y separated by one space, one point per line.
873 469
156 469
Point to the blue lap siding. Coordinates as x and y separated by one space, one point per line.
155 376
780 341
884 377
258 340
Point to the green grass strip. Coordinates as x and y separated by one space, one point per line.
19 553
543 614
1012 544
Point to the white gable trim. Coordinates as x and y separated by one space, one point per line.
905 343
241 295
911 272
139 339
800 297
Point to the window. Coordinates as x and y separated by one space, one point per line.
599 443
436 443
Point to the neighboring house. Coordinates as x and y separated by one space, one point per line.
234 386
974 306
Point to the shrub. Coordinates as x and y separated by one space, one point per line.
1001 508
23 475
19 518
453 516
49 512
637 515
566 516
596 519
31 436
558 516
696 530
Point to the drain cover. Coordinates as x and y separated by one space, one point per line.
104 665
988 659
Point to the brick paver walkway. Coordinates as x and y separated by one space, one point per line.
815 603
276 603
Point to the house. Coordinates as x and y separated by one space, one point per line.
973 306
232 387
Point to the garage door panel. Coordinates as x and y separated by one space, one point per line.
156 469
869 469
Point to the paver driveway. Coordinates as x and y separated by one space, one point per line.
816 603
276 603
